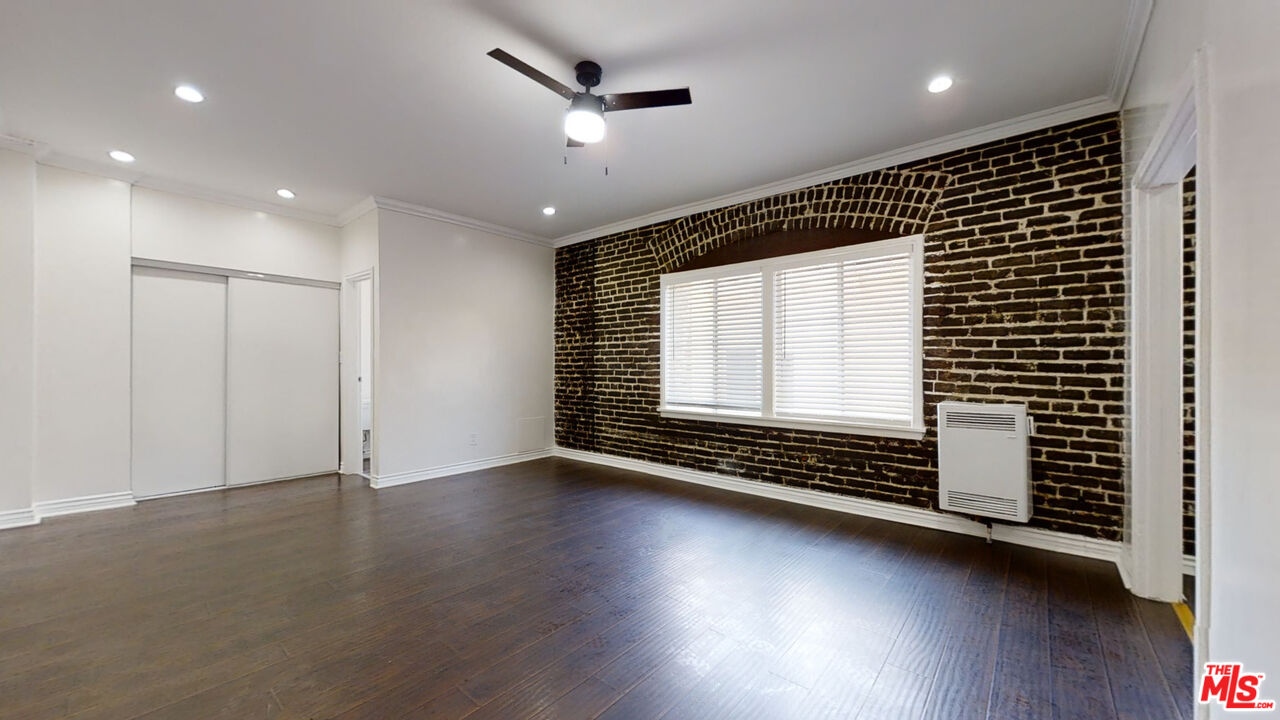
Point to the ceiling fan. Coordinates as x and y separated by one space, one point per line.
584 122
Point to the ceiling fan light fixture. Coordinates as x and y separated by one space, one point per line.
585 120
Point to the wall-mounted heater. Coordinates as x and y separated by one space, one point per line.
984 467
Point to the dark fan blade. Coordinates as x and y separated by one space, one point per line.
570 142
528 71
653 98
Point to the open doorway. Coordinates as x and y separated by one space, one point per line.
359 439
364 372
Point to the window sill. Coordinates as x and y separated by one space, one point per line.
891 431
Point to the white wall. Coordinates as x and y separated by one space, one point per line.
1244 345
17 328
1239 191
465 344
82 329
183 229
66 242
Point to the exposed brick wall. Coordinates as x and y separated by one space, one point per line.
1189 363
888 200
1024 302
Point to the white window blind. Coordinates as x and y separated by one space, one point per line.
822 340
713 343
844 340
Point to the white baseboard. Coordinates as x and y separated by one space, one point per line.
18 518
379 482
88 503
1107 550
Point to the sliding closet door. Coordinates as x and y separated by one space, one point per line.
282 380
179 381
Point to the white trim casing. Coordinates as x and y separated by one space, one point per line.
1154 546
379 482
88 503
1078 545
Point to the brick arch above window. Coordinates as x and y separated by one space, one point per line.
895 202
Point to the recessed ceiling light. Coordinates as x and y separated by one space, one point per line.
286 193
548 210
120 156
189 93
940 84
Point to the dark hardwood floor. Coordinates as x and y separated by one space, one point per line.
554 589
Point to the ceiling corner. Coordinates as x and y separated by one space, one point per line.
356 211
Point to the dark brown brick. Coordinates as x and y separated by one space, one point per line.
1022 239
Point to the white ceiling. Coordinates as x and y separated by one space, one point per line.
340 100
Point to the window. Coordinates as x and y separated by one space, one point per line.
826 340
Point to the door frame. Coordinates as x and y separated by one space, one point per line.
351 369
1154 544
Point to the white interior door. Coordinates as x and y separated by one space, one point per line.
282 380
179 381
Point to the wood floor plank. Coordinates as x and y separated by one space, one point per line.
962 684
652 695
1173 651
1080 687
555 589
1138 685
1022 689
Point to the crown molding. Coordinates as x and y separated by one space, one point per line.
200 193
1031 122
45 155
406 208
1135 29
26 146
357 211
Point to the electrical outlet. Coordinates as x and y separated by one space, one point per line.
472 441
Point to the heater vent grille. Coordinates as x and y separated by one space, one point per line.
1001 422
980 504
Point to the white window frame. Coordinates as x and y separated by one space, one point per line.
914 244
